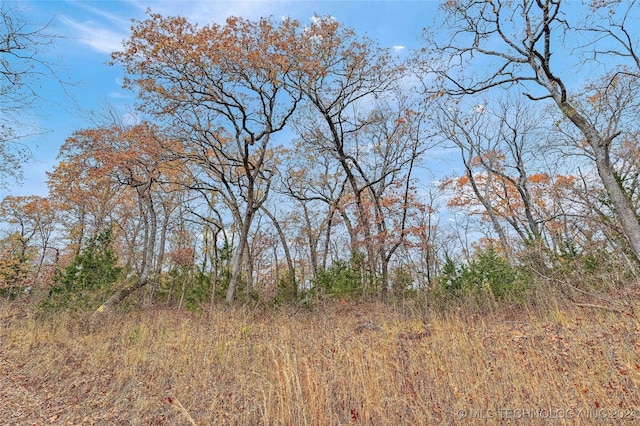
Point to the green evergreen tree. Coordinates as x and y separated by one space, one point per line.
88 278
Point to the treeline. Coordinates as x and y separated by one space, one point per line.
282 162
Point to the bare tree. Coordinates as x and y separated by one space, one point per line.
350 74
22 67
520 44
498 142
313 179
222 87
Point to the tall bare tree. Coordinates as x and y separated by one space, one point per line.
349 74
521 45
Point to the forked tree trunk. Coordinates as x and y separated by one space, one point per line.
238 255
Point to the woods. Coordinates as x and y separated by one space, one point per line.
275 161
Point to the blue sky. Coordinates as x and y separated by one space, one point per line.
88 31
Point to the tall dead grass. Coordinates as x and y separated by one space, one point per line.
362 363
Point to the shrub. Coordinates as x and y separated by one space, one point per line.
88 279
197 291
287 288
487 274
342 279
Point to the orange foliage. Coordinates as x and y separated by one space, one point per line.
182 257
462 180
539 178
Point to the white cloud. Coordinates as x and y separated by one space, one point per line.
317 20
98 38
398 48
130 119
118 95
479 109
207 12
106 32
115 19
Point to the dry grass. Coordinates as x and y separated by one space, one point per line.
342 364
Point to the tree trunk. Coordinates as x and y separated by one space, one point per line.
150 239
384 276
486 203
215 268
250 268
287 252
327 240
238 255
312 240
119 296
626 213
163 243
601 151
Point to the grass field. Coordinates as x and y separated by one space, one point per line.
360 363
